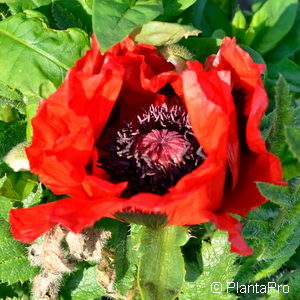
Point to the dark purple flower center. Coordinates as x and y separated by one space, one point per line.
154 153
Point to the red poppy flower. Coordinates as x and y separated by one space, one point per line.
127 137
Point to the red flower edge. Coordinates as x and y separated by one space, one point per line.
69 123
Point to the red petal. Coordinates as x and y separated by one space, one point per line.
257 164
27 224
226 222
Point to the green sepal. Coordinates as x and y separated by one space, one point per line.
161 265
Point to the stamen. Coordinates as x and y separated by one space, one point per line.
153 154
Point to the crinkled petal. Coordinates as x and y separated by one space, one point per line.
226 222
257 164
27 224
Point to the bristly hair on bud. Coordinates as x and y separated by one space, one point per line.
176 50
55 260
176 55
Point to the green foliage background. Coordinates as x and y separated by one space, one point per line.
48 36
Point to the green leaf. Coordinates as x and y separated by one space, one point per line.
294 286
2 180
201 48
238 24
293 139
19 6
282 116
270 24
126 253
11 134
33 198
10 97
218 267
4 11
289 45
48 54
32 104
257 4
162 33
297 116
266 125
18 186
228 6
82 285
273 232
218 34
289 70
208 17
75 13
7 188
113 20
161 264
175 7
126 260
14 265
5 206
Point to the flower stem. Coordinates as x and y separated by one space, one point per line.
161 265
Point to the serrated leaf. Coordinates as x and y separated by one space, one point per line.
162 33
47 53
33 198
113 20
276 236
11 98
294 286
278 194
9 249
297 116
82 285
5 206
7 189
14 264
218 267
283 115
126 265
266 125
11 134
293 139
16 269
270 24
